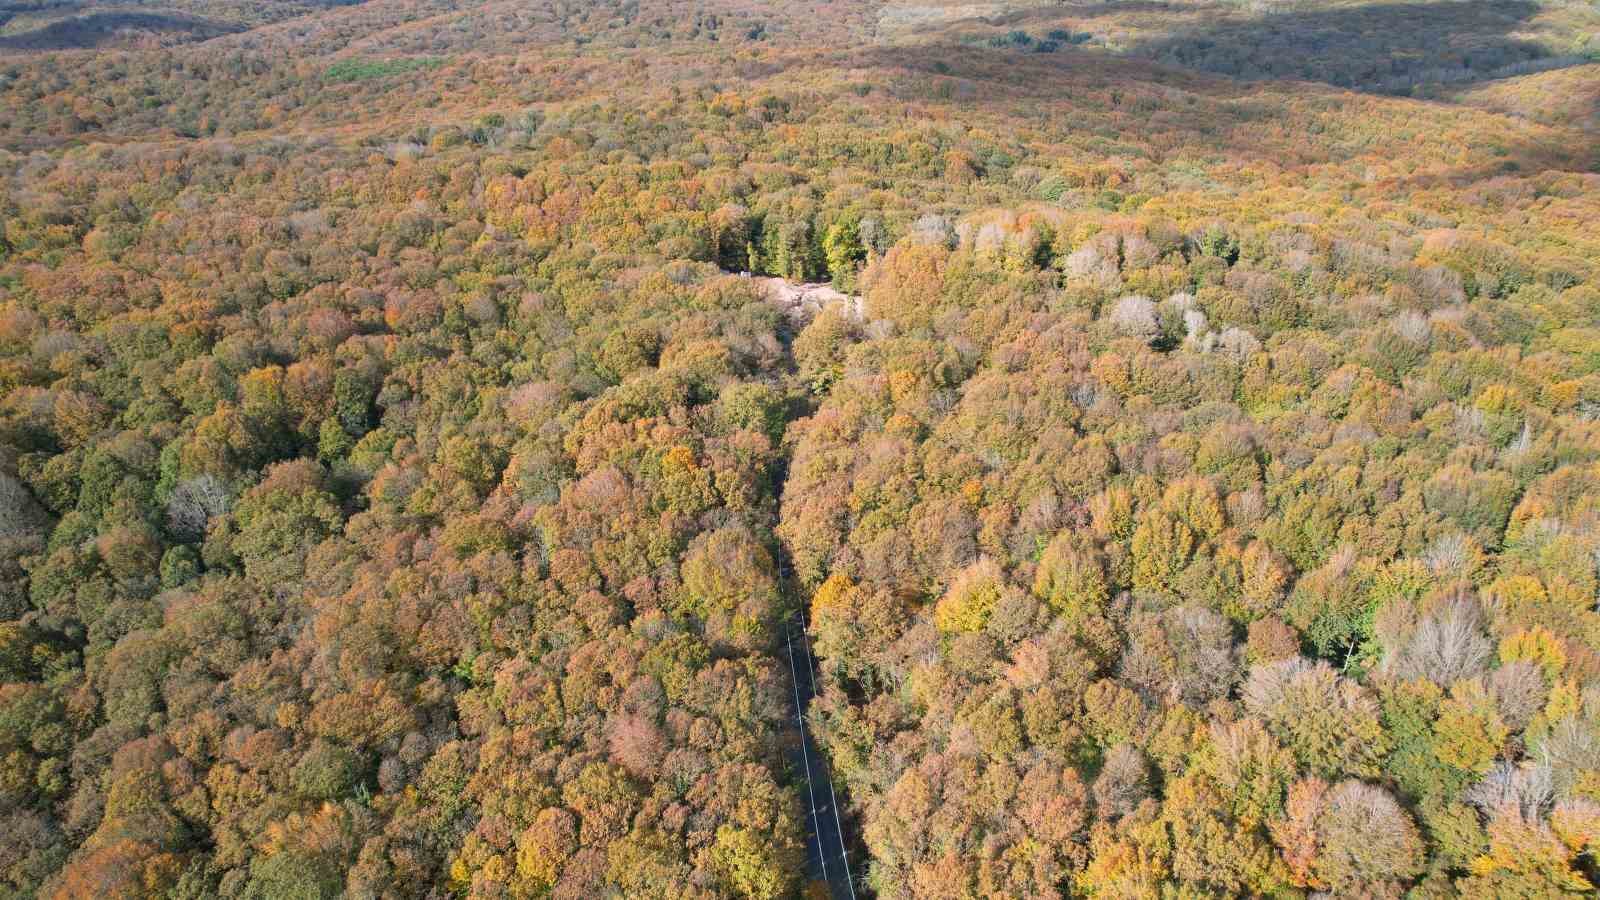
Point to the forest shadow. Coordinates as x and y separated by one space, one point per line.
1385 48
1186 108
10 9
100 29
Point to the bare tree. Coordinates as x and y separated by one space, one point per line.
1447 646
1412 326
1529 789
1092 261
1519 692
933 229
193 504
1451 555
1183 655
1571 748
1135 316
1238 342
1123 783
1268 688
1206 651
991 237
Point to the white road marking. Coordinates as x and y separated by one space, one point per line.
805 644
816 824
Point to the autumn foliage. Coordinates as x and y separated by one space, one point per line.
402 495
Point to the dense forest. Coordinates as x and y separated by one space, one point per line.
1191 490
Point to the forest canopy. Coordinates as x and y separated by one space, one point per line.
427 427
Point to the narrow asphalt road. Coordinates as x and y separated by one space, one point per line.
827 859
